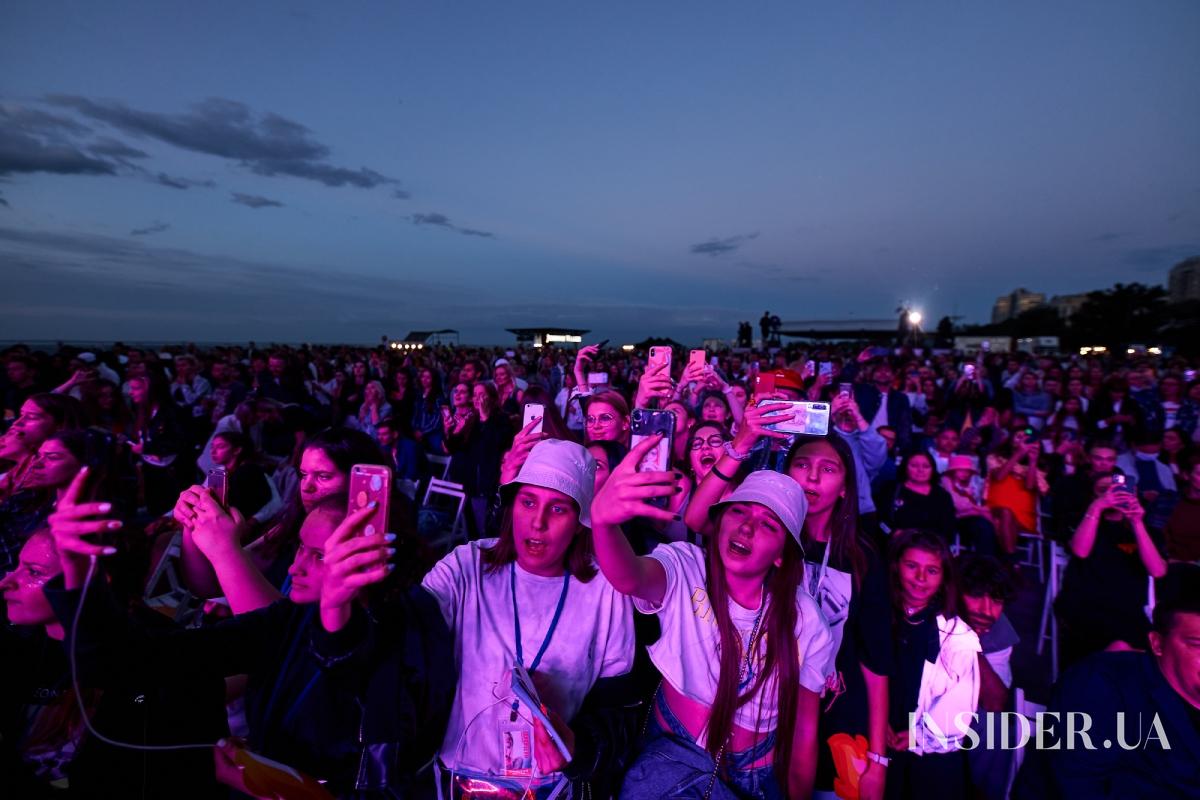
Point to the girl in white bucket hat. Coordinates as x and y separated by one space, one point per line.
743 650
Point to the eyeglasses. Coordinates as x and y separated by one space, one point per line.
716 440
602 419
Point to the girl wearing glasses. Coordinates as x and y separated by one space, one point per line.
606 418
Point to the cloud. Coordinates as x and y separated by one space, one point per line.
255 201
36 141
1158 259
174 182
442 221
107 146
4 202
155 227
716 247
401 194
266 143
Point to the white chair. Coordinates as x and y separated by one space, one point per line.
165 592
458 498
1048 630
441 461
1030 711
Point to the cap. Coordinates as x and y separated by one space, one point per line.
788 379
499 362
563 466
779 493
87 358
962 462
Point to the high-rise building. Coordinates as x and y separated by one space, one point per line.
1184 281
1013 305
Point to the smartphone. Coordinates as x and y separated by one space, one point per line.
800 416
698 358
660 357
597 378
600 345
810 368
534 411
826 368
646 422
1121 484
371 483
218 484
765 384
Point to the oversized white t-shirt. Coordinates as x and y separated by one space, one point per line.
688 651
593 639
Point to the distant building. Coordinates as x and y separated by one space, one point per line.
1184 282
1011 306
1067 305
538 337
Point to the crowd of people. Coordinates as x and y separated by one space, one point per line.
197 606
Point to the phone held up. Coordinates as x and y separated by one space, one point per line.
698 358
371 483
799 417
660 358
645 423
533 411
218 484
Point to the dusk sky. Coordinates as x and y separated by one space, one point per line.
224 171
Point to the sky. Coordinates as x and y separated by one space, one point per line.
273 171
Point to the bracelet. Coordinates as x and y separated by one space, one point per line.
713 469
735 455
882 761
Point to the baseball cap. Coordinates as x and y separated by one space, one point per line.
563 466
779 493
961 462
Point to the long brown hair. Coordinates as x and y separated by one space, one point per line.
946 601
782 656
580 560
847 543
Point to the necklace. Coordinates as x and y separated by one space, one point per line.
745 673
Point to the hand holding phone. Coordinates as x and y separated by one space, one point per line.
533 412
371 483
218 484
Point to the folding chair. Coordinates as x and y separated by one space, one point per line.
1030 711
458 497
165 592
443 462
1048 630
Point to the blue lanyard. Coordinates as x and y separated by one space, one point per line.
562 601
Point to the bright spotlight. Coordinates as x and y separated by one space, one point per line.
914 318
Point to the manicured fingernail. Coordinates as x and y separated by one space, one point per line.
105 508
114 525
389 537
373 504
110 551
391 551
391 567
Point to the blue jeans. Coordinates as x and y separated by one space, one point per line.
671 764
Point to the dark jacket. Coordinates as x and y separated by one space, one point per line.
1103 685
899 411
128 709
398 665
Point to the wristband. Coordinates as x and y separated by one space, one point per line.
735 455
713 469
882 761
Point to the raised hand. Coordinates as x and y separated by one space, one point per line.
71 522
352 562
215 530
757 417
655 383
582 359
515 458
625 494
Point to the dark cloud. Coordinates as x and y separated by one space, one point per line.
106 146
717 247
4 202
255 201
1158 259
266 143
174 182
155 227
401 194
442 221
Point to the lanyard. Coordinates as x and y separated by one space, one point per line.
818 579
562 600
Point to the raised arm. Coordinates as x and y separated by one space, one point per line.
623 497
217 533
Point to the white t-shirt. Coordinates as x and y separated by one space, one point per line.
593 639
688 651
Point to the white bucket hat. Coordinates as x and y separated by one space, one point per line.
563 466
779 493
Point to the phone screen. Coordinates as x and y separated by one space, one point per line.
698 358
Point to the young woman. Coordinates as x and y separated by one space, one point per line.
477 450
509 396
744 651
248 485
607 417
1106 584
329 728
919 500
936 677
157 439
39 416
374 409
608 455
427 411
531 598
1071 415
1015 483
